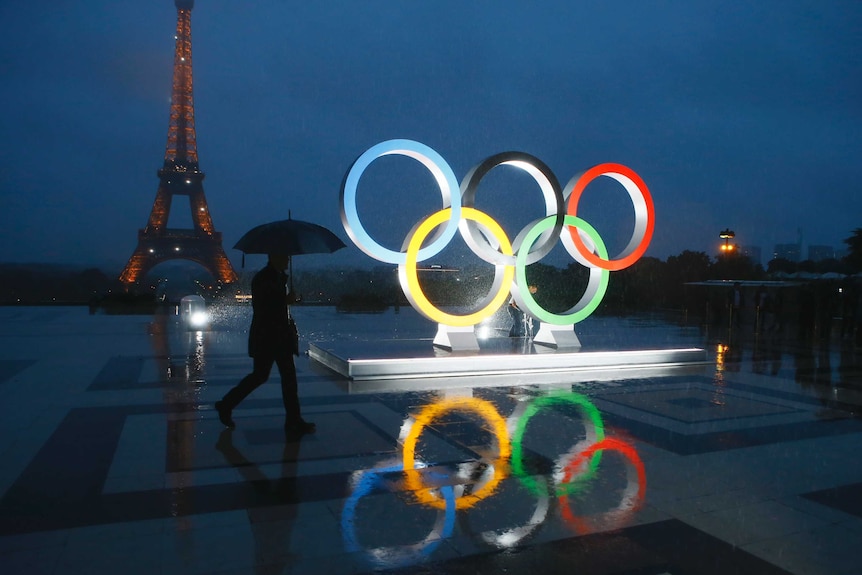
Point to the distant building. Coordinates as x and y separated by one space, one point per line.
753 253
789 252
819 253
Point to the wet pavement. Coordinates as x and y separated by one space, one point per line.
114 460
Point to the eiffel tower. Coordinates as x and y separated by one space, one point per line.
180 176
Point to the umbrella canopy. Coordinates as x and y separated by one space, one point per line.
289 238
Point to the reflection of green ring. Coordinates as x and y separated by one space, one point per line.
587 409
598 286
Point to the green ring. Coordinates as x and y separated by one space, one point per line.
537 311
587 409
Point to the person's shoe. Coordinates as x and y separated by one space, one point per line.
224 414
299 428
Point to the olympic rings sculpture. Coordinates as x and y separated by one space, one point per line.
449 489
484 236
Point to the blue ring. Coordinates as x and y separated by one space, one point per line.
444 177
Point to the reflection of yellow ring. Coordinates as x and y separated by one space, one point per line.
483 409
414 290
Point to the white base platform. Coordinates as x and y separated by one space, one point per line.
405 359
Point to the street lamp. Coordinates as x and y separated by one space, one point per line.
727 235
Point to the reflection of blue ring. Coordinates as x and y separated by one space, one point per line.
443 175
371 480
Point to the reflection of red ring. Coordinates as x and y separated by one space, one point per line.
644 217
583 525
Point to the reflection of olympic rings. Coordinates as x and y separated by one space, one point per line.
368 481
449 487
594 430
632 498
517 425
483 409
486 238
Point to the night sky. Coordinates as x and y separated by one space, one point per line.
739 115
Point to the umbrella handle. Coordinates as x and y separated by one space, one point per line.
290 282
290 272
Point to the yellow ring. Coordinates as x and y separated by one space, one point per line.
414 290
486 411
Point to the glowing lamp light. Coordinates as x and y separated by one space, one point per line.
194 312
727 235
199 319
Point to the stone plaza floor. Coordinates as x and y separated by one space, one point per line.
114 461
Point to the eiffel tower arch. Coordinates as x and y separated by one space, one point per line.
180 175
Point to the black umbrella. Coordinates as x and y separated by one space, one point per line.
289 238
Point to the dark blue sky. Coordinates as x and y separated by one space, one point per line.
741 116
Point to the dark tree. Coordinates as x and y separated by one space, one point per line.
854 255
689 266
736 266
781 265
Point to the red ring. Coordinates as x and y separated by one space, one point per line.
578 189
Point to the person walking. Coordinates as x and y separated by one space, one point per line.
272 339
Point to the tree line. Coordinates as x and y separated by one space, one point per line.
649 284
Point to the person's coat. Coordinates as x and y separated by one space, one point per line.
270 329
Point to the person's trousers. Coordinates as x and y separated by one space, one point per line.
260 374
517 329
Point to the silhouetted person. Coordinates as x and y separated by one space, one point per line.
736 303
849 308
271 339
825 308
762 309
778 310
807 312
517 314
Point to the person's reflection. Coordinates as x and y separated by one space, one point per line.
823 375
814 369
774 353
759 355
849 367
733 355
273 509
766 355
804 364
